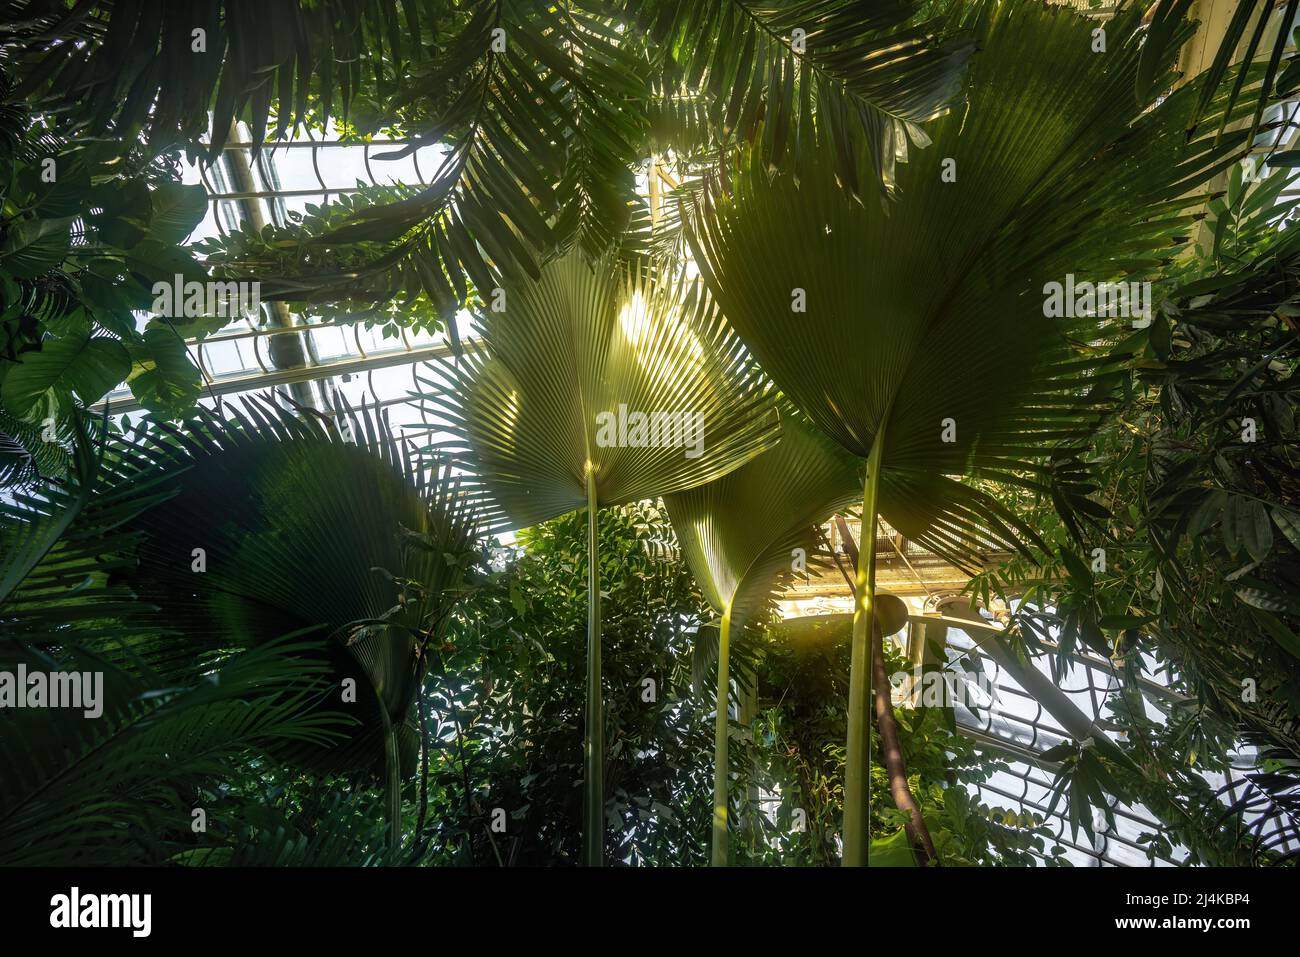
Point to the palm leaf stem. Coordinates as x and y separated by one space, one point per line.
393 769
593 811
858 746
718 857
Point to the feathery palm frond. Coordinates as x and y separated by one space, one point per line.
331 829
59 542
1270 795
866 74
538 111
542 110
1270 34
27 455
121 786
545 112
160 67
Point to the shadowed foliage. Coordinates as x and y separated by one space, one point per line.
948 362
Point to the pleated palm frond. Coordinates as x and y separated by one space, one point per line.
303 523
598 384
935 309
922 337
955 520
741 534
331 533
525 406
738 533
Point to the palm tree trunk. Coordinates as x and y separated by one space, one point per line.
918 835
857 763
593 798
719 856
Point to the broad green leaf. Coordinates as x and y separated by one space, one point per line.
163 379
892 851
85 365
177 209
34 246
1207 512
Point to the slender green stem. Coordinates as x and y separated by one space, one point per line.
393 765
748 714
719 856
593 798
857 765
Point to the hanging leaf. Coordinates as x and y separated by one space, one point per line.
1256 530
85 365
1288 523
164 380
35 246
177 210
1277 630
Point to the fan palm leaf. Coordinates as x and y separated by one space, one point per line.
738 535
529 408
946 362
78 790
327 556
282 521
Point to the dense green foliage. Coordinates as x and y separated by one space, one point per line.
313 649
